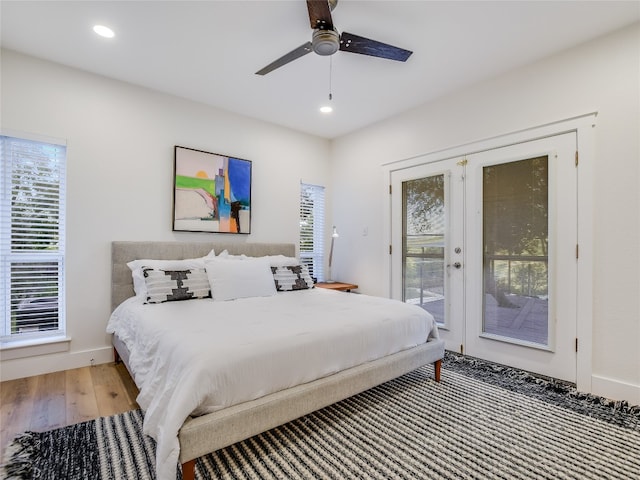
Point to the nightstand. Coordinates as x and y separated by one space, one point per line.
342 287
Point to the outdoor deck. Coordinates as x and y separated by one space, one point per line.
522 318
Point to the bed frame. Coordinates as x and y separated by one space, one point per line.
208 433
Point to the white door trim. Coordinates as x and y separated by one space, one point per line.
583 126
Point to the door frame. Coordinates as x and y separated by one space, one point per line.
583 126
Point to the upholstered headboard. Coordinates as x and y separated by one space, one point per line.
124 252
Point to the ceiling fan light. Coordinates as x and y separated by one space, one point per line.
103 31
325 42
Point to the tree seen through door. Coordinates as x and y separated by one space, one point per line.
424 243
515 249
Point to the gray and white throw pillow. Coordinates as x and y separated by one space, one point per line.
292 277
172 285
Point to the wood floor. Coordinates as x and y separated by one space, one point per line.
45 402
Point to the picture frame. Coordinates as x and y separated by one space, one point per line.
211 192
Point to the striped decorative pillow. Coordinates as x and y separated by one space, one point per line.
172 285
292 277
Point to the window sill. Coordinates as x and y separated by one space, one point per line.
33 347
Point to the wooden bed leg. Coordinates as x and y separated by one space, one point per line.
189 470
436 369
116 356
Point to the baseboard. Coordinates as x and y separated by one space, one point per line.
615 389
41 364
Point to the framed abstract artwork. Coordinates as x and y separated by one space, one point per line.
212 193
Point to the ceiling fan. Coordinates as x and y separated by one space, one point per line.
326 40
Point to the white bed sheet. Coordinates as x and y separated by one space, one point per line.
197 356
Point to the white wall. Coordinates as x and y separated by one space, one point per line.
120 171
602 76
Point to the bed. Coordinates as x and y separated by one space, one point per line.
232 421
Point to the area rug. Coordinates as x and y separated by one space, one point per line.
482 421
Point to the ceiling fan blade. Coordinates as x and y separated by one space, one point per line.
301 51
365 46
320 14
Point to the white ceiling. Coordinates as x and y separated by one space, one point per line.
208 51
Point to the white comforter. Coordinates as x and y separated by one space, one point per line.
197 356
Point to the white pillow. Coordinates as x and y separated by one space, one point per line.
227 256
139 285
282 261
230 279
274 260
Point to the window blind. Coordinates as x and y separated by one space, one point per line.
32 243
312 229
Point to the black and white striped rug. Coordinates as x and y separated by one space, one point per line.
483 421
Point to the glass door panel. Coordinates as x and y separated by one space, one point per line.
515 250
423 246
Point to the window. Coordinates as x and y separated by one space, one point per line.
32 226
312 229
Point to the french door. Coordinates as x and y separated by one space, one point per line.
428 251
486 242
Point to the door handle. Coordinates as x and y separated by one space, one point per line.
456 265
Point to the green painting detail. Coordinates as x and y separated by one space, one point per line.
205 188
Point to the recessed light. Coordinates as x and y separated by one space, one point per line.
103 31
326 109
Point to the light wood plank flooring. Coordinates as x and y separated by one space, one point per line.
54 400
